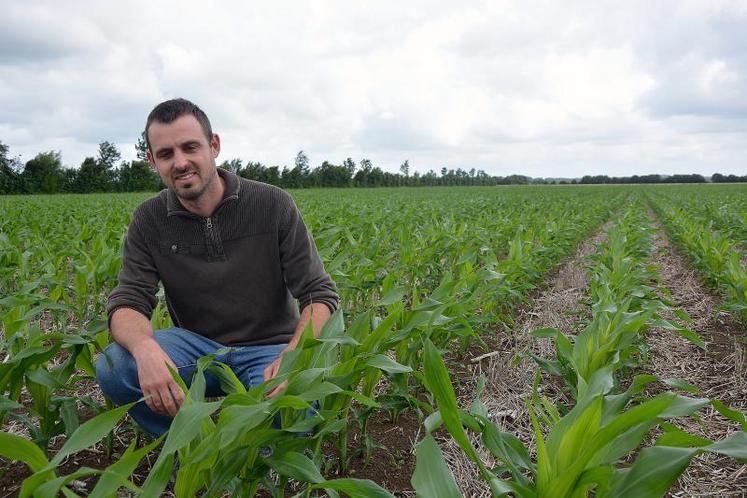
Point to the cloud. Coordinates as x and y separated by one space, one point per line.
538 88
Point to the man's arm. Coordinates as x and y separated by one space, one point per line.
318 313
133 331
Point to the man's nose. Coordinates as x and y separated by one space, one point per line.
180 160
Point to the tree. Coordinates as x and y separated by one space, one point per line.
10 172
362 176
43 174
137 176
349 164
108 155
141 147
91 178
97 175
405 168
272 175
302 163
234 165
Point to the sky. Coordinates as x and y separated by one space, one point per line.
544 89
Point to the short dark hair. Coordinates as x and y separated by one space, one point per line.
168 111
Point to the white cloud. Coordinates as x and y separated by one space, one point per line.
539 88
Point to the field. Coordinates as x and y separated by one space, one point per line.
564 341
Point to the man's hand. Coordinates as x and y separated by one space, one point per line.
318 314
272 370
155 379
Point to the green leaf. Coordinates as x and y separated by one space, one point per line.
388 365
692 336
355 488
319 391
43 377
682 385
734 446
364 400
236 420
289 401
51 489
674 436
158 477
727 412
17 448
91 432
227 468
653 472
432 477
8 404
296 466
393 296
69 414
118 473
682 315
682 406
186 424
547 332
437 381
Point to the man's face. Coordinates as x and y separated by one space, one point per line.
183 157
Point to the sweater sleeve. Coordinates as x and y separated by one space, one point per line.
302 267
138 278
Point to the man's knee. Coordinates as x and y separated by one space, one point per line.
116 372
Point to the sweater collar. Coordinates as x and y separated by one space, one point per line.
231 191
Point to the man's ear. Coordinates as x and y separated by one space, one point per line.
215 145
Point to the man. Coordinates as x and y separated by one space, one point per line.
233 256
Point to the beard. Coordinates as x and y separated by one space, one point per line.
189 192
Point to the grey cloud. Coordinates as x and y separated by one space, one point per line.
37 35
392 134
679 53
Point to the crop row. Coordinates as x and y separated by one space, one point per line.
586 449
722 209
714 254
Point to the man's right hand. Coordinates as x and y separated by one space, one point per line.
163 394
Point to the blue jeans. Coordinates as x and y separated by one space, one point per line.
120 383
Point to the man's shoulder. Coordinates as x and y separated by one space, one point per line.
252 191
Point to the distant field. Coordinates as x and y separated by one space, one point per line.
430 279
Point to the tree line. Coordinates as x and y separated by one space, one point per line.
715 178
45 174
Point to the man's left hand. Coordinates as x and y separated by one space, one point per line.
272 370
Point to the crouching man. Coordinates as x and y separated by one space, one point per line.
238 268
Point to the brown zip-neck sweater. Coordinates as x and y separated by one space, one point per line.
233 277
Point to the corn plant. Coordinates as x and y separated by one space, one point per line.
711 252
582 453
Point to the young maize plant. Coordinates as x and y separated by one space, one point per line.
582 453
712 253
583 448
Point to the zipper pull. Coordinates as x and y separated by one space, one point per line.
209 223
